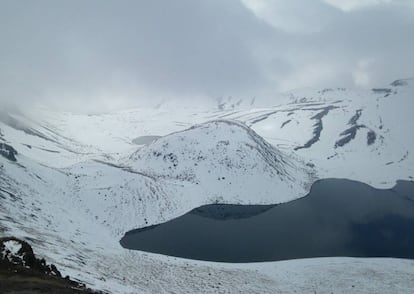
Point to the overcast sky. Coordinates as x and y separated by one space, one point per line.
86 55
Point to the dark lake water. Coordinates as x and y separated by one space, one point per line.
337 218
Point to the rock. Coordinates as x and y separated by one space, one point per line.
8 151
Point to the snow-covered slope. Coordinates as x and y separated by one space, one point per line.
224 158
358 134
88 206
79 182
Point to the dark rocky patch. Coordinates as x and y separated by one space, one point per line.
26 258
404 157
23 272
285 123
354 119
8 151
325 90
382 90
349 134
371 137
318 126
401 82
49 150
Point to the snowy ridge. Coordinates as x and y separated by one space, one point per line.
224 157
355 134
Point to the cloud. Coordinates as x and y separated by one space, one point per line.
361 74
129 49
100 55
294 16
331 53
349 5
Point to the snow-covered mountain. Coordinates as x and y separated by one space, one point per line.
73 184
358 134
223 158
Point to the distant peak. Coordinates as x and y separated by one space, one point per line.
401 82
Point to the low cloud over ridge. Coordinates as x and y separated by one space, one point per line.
85 55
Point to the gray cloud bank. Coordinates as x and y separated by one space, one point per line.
87 55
